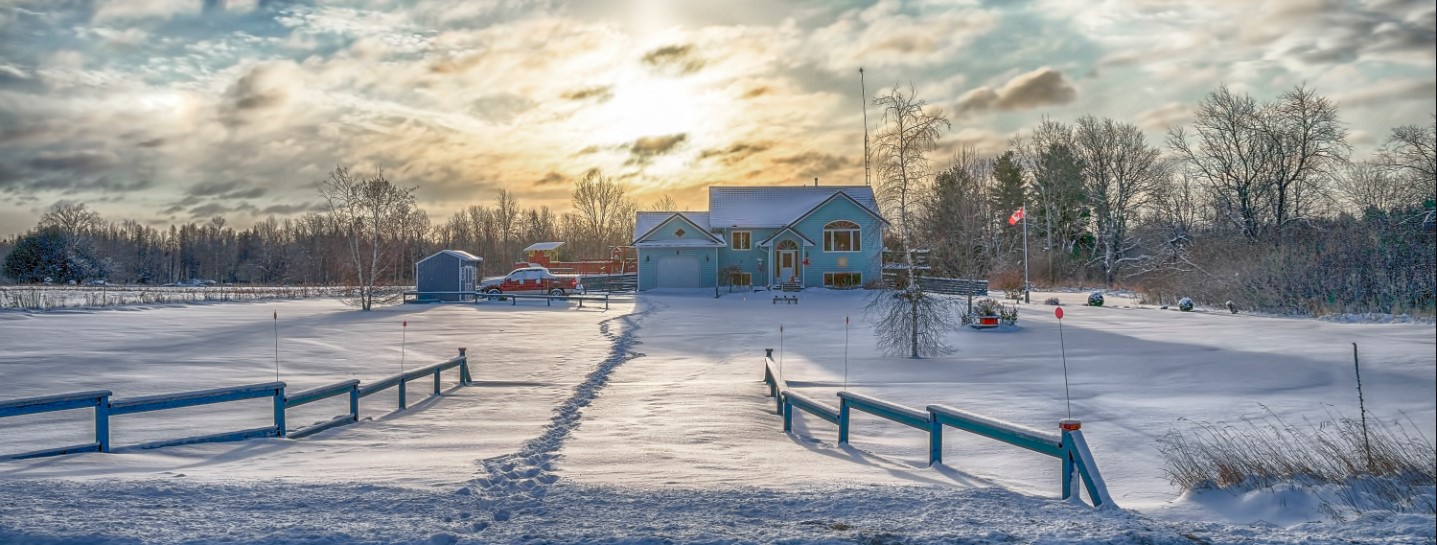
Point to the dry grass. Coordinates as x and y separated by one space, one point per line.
1393 468
80 297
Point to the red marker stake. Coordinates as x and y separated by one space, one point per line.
1064 348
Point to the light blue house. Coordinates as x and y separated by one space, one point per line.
764 236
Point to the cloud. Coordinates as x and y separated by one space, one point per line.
892 34
646 148
1163 117
80 162
264 90
678 59
551 178
811 164
1042 87
735 152
288 209
599 93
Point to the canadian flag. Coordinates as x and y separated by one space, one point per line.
1016 217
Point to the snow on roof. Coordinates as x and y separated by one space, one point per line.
542 246
647 221
752 206
462 255
686 243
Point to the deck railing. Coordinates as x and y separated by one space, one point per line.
1069 446
106 408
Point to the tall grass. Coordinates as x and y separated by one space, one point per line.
1395 470
80 297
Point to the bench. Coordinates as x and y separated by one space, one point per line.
790 299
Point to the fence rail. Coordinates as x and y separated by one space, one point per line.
949 286
99 399
1069 446
418 297
105 408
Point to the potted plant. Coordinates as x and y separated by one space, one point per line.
986 313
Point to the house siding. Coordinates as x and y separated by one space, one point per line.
867 261
747 260
649 265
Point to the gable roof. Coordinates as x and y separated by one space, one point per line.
462 255
836 196
787 229
648 222
756 206
543 246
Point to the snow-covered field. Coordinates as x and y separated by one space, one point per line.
648 424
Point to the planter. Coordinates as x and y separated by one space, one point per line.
985 322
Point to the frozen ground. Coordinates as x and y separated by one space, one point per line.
647 424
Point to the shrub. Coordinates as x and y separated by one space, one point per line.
1011 282
1053 301
986 306
1185 304
1390 467
1095 299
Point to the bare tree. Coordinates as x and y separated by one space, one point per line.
1230 156
1364 186
1307 142
1262 164
70 218
604 212
506 222
369 211
1120 173
664 204
1410 150
906 317
956 218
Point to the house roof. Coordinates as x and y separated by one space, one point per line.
806 241
756 206
462 255
541 246
648 221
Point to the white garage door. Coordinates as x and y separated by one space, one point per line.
679 272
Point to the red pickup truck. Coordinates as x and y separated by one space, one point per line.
536 280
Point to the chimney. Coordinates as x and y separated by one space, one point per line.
815 181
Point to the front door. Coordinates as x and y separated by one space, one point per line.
787 261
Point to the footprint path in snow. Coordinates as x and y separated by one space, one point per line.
515 484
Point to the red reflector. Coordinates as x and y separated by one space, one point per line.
1070 425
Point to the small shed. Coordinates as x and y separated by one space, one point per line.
448 275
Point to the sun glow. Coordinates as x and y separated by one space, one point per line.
649 107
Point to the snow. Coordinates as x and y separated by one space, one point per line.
648 423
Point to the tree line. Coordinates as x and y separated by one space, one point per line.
369 233
1258 203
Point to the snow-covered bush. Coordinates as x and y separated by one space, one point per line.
1095 299
1051 301
1185 304
986 306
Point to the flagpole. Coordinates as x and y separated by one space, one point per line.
1027 297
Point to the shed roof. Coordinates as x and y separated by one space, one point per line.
542 246
462 255
755 206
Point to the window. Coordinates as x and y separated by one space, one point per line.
841 236
843 279
741 240
742 279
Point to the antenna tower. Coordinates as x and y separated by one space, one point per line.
862 88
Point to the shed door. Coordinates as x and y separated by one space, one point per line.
679 272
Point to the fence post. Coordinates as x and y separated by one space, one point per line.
436 380
102 423
279 411
787 414
464 378
935 439
354 402
402 387
768 353
842 421
1065 451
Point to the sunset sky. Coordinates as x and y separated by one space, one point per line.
172 111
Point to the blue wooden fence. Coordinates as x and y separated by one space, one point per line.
1068 446
105 408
